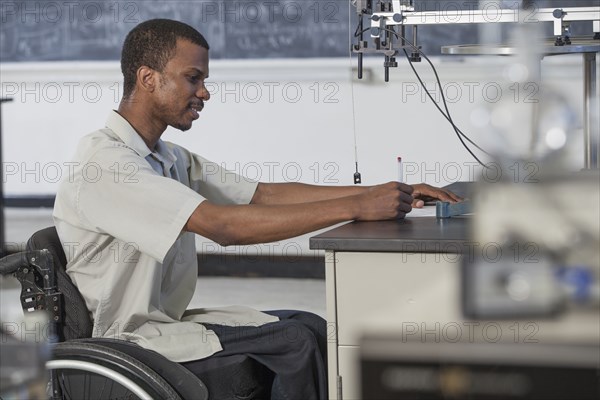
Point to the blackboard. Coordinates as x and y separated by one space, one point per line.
66 30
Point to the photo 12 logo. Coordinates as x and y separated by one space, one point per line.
55 92
270 11
54 172
470 332
470 171
54 12
271 92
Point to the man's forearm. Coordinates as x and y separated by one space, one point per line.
258 223
296 193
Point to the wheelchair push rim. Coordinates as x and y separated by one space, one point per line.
85 371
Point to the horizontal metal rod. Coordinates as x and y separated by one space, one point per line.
480 16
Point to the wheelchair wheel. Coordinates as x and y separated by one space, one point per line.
86 371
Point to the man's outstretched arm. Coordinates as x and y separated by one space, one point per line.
297 193
294 193
267 220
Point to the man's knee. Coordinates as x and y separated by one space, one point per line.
311 318
296 335
313 321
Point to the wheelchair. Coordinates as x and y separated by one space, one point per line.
86 368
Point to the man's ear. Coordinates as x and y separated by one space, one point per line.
147 79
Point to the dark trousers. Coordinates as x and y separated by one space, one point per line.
293 349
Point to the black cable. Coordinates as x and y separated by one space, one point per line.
448 117
359 28
446 114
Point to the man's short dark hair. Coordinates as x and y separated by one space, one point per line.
152 43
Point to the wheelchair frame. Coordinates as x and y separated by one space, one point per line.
81 360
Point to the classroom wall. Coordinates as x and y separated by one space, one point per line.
278 120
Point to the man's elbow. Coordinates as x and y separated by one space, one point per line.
233 236
220 237
224 236
212 223
224 241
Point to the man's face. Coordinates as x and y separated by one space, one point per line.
181 93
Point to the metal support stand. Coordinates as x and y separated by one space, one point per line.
589 48
591 120
2 237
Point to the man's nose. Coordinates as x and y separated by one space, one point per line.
203 93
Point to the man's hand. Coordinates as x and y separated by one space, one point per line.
382 202
423 193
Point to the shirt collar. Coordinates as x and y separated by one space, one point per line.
123 129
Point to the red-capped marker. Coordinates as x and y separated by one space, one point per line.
400 170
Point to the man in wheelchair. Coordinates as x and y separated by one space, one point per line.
128 214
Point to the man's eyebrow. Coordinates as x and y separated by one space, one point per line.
198 72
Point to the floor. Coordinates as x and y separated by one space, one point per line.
259 293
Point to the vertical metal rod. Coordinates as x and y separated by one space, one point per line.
388 44
403 33
591 119
361 38
2 225
414 32
386 69
1 190
360 66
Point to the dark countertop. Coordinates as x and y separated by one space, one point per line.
420 234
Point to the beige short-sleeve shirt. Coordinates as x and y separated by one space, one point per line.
120 214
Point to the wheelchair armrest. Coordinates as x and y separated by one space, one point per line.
35 271
10 264
40 260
